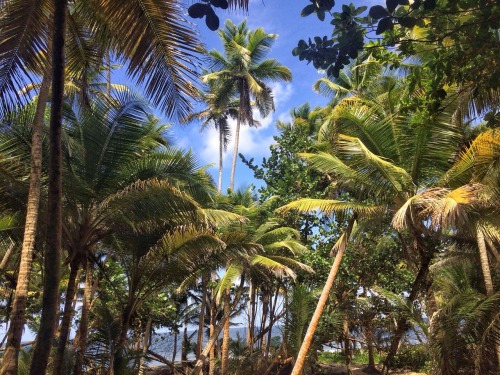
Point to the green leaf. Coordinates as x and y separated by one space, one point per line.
197 10
408 22
391 5
378 12
384 24
321 14
307 10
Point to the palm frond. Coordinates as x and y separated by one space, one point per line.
328 207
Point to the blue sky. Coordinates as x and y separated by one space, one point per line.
280 17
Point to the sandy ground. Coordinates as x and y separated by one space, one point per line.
358 370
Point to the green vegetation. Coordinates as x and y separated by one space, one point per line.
375 230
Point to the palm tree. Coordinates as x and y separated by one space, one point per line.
28 35
216 116
243 70
378 155
262 250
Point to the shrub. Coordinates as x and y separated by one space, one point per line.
415 357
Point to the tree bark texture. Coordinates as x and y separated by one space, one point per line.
235 153
10 357
66 319
213 312
201 322
225 335
306 344
81 340
50 301
221 156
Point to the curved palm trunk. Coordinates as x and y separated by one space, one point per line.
221 149
67 317
50 303
304 348
225 335
81 342
235 153
10 357
6 257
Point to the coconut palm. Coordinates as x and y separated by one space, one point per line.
26 31
381 157
242 70
263 250
216 116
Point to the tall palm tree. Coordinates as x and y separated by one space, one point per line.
215 115
242 69
28 35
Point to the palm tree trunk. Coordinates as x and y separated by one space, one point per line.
81 344
347 347
146 342
213 311
67 317
235 153
225 335
6 256
174 351
251 305
485 266
50 302
201 322
402 322
10 357
185 344
304 348
221 149
215 335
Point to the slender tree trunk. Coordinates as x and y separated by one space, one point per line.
10 357
174 351
52 261
221 156
235 154
347 347
369 343
81 342
402 322
213 312
304 348
225 335
6 256
201 322
215 335
67 317
250 328
146 342
185 344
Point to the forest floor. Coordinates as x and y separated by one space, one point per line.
336 369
